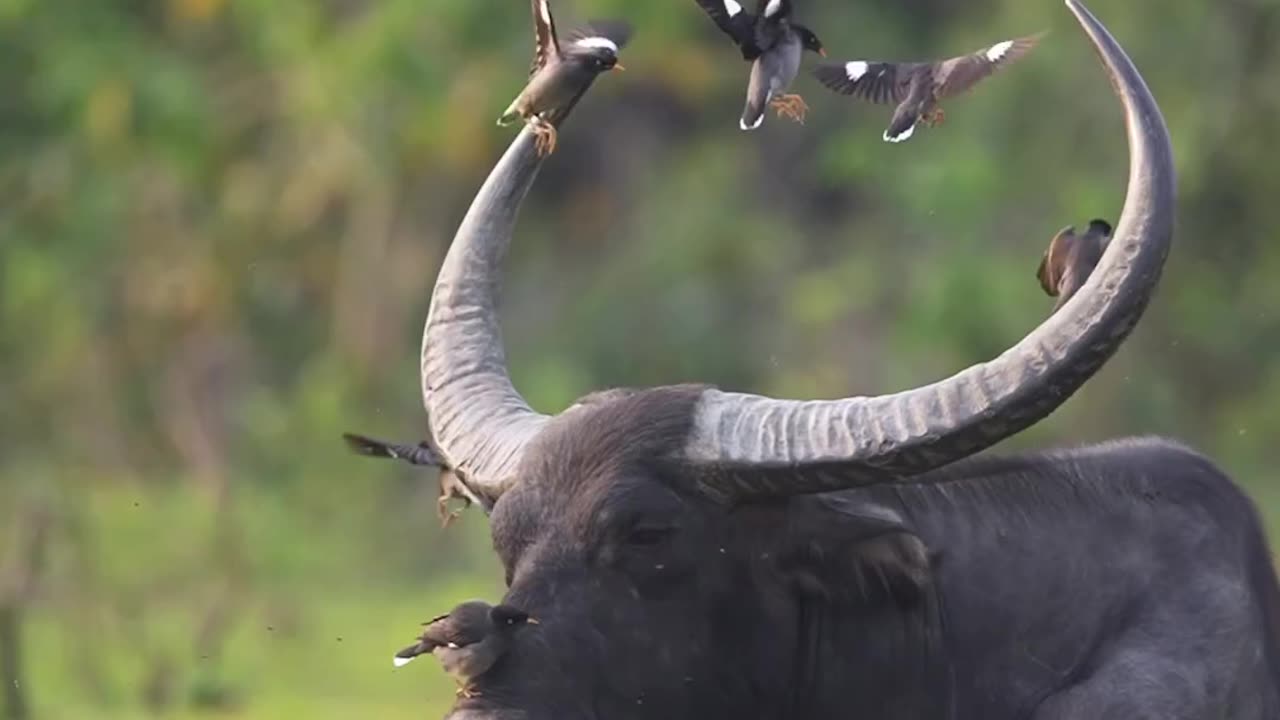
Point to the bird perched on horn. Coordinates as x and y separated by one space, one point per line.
560 74
774 44
468 640
1070 258
918 87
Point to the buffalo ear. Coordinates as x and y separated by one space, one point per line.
834 555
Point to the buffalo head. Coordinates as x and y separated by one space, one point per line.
672 540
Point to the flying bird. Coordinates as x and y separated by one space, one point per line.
561 74
468 640
1070 258
917 88
774 44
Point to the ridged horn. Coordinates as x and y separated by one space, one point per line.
479 422
748 446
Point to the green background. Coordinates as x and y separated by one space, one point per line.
220 221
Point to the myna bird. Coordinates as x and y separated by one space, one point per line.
420 454
451 486
1070 258
560 75
467 641
917 88
775 45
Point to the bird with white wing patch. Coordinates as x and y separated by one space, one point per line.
917 87
774 45
561 74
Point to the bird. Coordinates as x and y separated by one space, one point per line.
560 75
468 640
918 87
1070 258
420 454
774 45
424 453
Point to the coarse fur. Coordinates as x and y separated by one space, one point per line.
1124 580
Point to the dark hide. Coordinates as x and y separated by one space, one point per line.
1128 580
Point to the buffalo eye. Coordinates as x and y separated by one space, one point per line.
648 535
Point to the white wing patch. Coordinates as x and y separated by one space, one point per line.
544 7
906 134
743 123
732 7
855 69
453 645
598 42
773 7
401 662
998 50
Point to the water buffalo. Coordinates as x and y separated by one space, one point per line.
696 553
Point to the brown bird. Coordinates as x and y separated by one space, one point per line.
917 88
1070 258
467 641
560 75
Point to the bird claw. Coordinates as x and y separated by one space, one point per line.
546 137
935 118
791 105
466 692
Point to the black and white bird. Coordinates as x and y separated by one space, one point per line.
467 641
917 88
561 74
775 45
1070 258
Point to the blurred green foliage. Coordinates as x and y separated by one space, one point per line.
220 221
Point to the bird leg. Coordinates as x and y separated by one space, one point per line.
466 691
791 105
546 132
934 117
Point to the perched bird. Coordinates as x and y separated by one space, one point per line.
560 75
775 45
420 454
451 486
1070 258
917 88
467 641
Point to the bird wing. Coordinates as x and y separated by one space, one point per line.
877 82
769 28
735 22
773 10
447 631
546 46
1055 259
420 454
958 74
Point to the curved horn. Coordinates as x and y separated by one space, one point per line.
750 446
478 421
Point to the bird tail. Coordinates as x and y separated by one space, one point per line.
420 454
510 115
753 112
902 126
406 656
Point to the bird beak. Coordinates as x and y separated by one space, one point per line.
533 621
617 67
822 52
